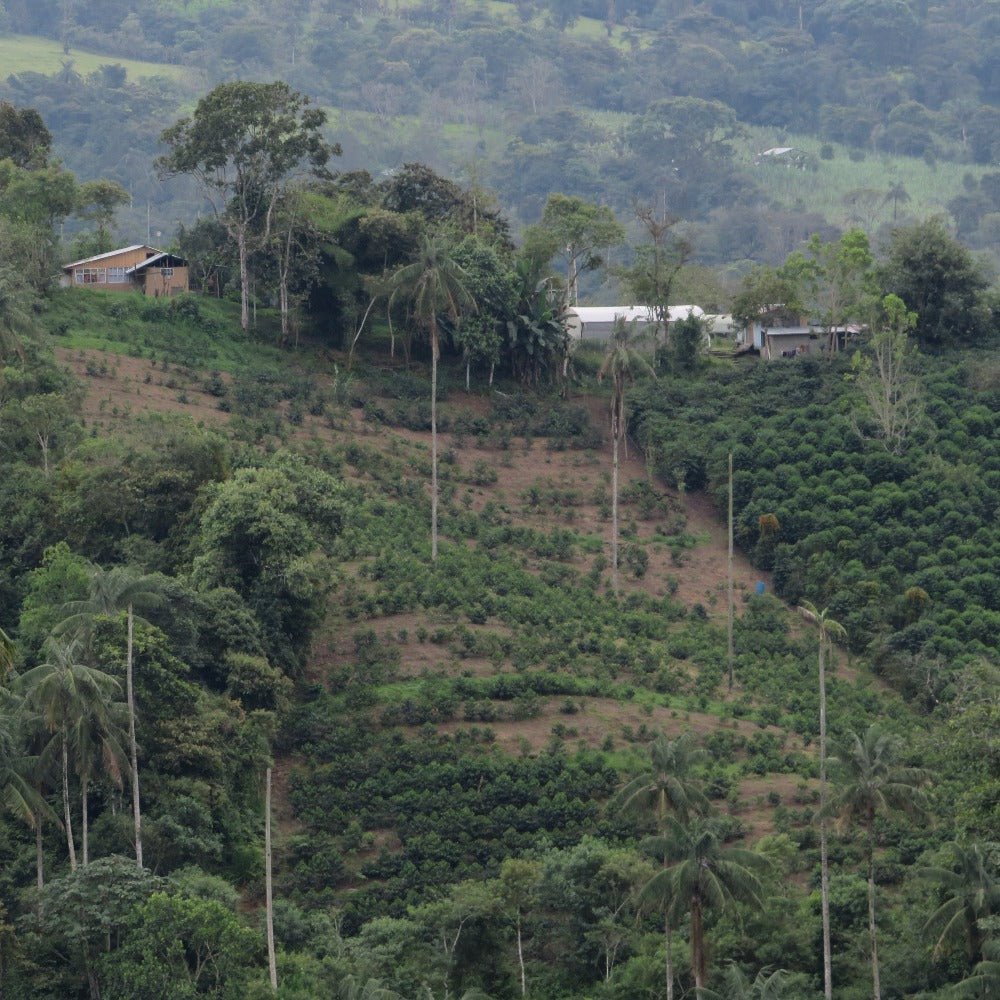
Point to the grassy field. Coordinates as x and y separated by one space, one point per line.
929 186
28 53
198 331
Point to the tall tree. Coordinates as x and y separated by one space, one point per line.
620 365
828 629
650 279
939 279
112 591
433 284
667 788
886 377
576 231
63 688
706 875
871 781
243 144
836 280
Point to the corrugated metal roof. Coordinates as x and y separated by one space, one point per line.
642 314
110 253
155 259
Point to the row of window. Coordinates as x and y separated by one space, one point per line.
109 275
100 275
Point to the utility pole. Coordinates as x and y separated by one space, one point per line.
729 631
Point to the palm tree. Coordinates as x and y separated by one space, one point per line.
984 982
972 891
621 362
16 321
368 989
17 796
706 875
872 782
898 195
94 735
112 591
737 985
667 788
62 689
7 654
828 629
433 285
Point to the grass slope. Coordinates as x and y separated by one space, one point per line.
29 53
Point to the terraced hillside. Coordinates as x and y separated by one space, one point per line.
508 662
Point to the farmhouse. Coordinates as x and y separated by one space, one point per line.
598 322
795 341
137 268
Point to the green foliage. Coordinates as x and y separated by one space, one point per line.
265 533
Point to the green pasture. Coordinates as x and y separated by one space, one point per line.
30 54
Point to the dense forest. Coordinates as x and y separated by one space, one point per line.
364 635
888 109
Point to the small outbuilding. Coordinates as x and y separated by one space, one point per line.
139 268
596 323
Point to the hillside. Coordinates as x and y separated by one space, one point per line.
666 103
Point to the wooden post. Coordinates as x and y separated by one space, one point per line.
268 895
729 631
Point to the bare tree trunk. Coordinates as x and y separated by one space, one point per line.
493 366
520 957
729 581
84 783
43 442
824 855
241 246
132 747
669 960
697 946
434 446
268 892
357 333
39 855
614 508
284 263
67 814
876 987
283 306
392 334
468 365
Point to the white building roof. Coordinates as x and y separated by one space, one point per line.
110 253
642 314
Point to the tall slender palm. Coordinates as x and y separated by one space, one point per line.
706 875
871 781
668 787
63 688
621 364
433 285
828 630
971 890
95 736
112 591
